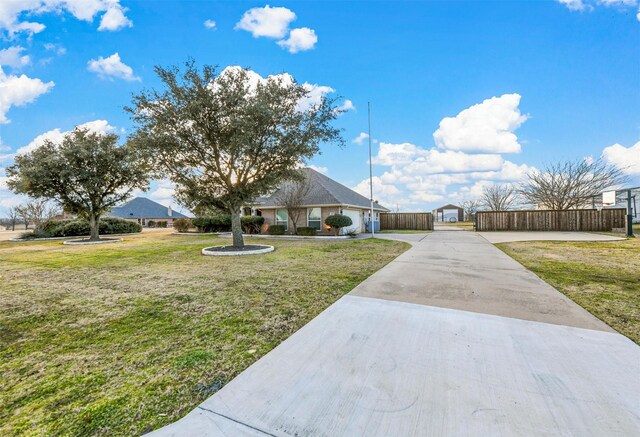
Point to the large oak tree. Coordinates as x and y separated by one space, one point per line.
87 174
226 138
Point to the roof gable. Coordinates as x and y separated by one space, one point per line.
449 206
325 191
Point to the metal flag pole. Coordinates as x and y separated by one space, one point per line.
371 217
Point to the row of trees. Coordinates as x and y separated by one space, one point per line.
221 138
559 186
35 213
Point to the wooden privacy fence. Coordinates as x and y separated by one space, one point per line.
552 220
419 221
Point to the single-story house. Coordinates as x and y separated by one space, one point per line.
143 210
324 197
449 214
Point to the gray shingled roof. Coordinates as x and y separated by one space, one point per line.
325 191
141 207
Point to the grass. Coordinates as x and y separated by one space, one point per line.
122 339
602 277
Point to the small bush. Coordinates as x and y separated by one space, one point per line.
30 235
276 230
251 224
161 224
182 224
151 224
307 232
338 221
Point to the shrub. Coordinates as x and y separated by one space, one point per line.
113 225
182 224
80 227
53 228
151 224
338 221
220 223
307 232
276 230
251 224
73 228
161 224
36 233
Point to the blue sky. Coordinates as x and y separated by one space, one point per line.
506 86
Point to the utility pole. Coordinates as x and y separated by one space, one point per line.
371 216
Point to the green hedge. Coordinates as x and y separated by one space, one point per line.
307 232
80 228
221 223
276 230
250 224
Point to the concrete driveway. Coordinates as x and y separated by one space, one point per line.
451 338
506 237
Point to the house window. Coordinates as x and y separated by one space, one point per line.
282 218
314 218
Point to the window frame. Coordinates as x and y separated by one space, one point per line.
319 220
281 222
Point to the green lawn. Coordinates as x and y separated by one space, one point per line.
602 277
122 339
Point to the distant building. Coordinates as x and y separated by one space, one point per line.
449 214
143 210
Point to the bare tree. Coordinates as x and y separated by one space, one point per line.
13 218
37 212
291 196
570 184
470 208
499 197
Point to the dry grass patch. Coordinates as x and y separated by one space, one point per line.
602 277
122 339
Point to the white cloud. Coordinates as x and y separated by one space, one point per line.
574 5
19 91
111 67
56 135
484 127
323 170
114 19
267 21
13 57
361 138
56 48
583 5
299 40
347 106
210 24
508 172
625 158
384 193
13 13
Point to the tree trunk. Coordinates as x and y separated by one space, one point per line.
236 228
94 227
